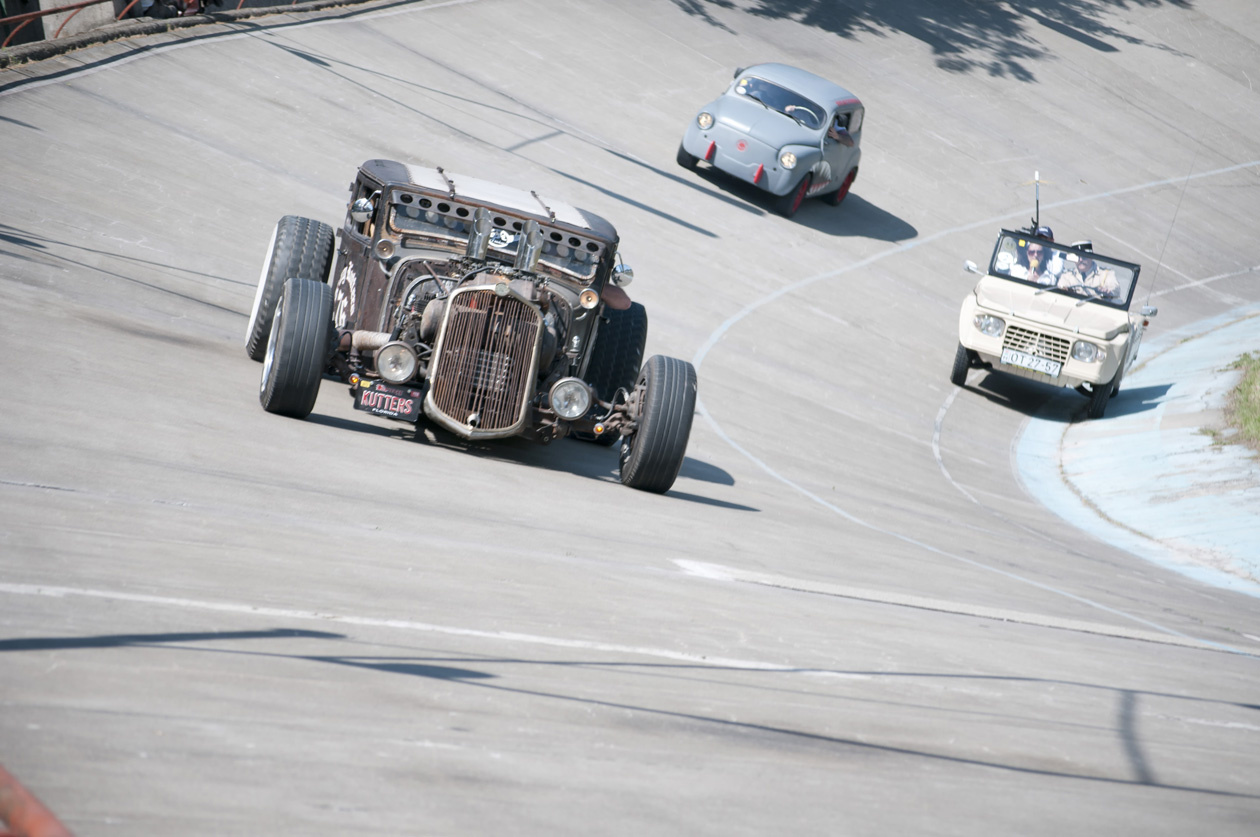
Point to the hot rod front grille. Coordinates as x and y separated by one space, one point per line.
481 377
1036 343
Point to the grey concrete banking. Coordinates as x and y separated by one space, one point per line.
1156 476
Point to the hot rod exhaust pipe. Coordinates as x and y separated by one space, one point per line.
530 248
479 238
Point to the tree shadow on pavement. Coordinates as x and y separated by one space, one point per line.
996 39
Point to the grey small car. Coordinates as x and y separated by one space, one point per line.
790 132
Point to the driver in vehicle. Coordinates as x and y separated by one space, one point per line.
1086 275
839 130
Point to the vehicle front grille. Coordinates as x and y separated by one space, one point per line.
481 378
1036 343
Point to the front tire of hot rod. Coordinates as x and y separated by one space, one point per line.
652 456
616 358
297 349
299 247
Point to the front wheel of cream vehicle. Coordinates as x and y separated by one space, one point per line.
297 349
666 402
962 362
299 247
1101 394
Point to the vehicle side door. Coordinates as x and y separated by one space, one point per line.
353 255
841 141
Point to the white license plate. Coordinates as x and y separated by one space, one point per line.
1036 364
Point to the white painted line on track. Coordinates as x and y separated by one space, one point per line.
409 625
793 287
722 573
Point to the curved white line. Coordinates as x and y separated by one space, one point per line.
731 321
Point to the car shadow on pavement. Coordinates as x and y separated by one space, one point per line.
575 457
856 217
1051 403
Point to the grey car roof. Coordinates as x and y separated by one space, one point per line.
485 191
802 81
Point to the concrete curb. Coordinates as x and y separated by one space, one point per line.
1146 478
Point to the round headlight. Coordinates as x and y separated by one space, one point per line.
589 298
384 249
989 324
705 120
396 362
788 160
1086 352
570 398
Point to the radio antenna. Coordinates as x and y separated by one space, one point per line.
1160 261
1036 202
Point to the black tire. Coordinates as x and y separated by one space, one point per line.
787 205
616 358
297 350
299 247
1101 394
962 362
837 197
685 159
653 454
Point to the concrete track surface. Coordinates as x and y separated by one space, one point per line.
850 616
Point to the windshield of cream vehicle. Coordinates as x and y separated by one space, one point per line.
1071 271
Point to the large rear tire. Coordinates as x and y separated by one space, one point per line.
652 456
616 358
297 350
299 247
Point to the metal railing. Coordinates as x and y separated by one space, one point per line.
193 7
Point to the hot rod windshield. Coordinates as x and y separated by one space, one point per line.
807 112
1066 270
565 258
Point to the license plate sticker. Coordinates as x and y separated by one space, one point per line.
381 399
1037 364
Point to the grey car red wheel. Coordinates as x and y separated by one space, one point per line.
837 197
788 204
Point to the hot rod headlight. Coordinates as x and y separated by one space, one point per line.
705 120
989 324
1085 351
570 398
788 160
396 362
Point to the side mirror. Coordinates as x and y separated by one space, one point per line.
970 266
622 275
738 70
1148 311
361 210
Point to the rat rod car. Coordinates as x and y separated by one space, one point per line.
492 311
790 132
1052 313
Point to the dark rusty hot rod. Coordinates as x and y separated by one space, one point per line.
492 311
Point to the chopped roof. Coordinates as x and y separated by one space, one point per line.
509 198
